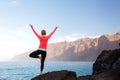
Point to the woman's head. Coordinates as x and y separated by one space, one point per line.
43 32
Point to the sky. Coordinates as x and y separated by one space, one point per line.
75 19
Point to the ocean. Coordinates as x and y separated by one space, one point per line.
28 70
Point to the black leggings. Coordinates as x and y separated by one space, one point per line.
43 56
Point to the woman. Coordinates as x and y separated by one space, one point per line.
42 49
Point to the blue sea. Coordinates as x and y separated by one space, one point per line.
28 70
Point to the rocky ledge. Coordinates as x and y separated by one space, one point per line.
57 75
106 67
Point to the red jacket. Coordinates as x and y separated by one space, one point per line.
43 39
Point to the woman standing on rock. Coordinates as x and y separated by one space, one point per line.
42 49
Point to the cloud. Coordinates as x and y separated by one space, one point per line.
68 38
13 3
71 37
74 36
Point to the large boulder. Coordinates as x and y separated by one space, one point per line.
107 65
107 60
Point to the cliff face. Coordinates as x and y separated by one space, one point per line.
85 49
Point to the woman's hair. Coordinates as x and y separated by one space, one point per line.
43 32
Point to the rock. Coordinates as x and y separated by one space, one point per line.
57 75
107 60
88 77
107 65
113 74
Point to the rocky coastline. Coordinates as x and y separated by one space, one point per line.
106 67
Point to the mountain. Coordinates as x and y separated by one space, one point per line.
84 49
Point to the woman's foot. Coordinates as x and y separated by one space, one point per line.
41 73
40 58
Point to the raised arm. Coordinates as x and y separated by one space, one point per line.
34 31
52 32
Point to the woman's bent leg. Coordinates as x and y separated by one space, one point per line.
35 54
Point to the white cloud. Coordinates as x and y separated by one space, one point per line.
74 36
13 3
68 38
71 37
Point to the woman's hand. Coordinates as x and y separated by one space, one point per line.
31 25
56 27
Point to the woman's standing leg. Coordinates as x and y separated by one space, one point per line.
43 56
